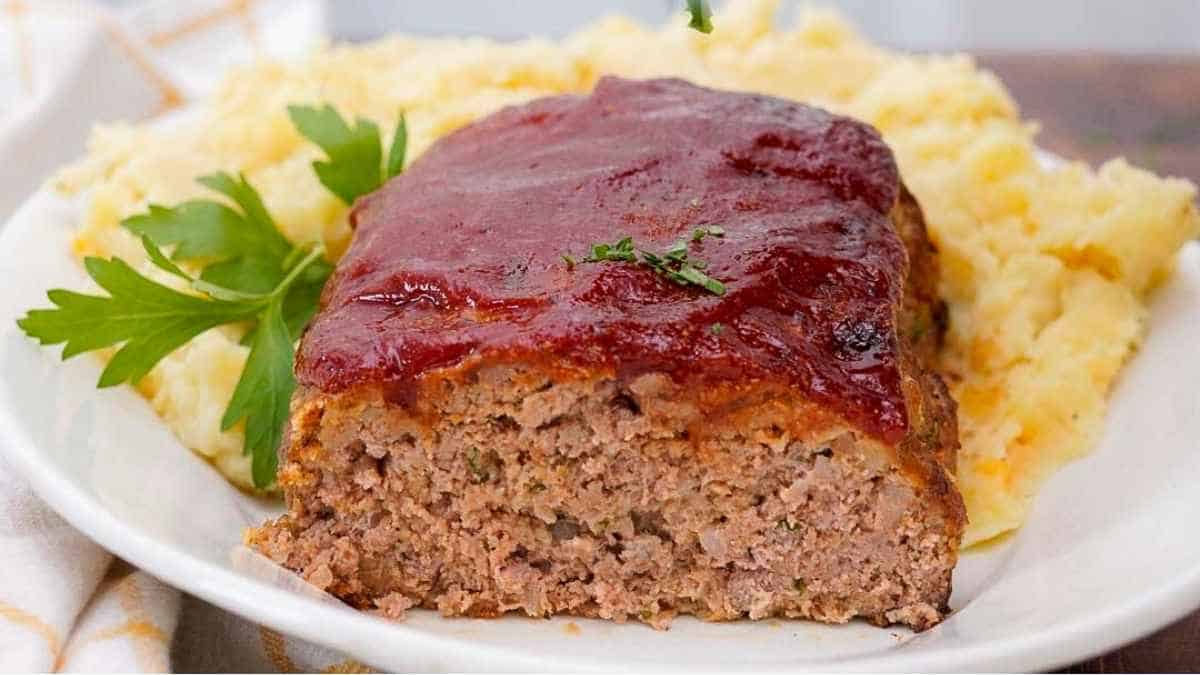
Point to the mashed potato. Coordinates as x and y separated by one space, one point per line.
1046 270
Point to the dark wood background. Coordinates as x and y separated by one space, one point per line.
1094 107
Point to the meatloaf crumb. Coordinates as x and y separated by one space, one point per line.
575 473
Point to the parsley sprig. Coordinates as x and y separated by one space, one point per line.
674 263
354 164
249 274
701 15
150 320
241 248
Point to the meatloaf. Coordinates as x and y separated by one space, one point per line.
483 425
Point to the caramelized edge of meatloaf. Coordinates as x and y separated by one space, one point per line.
534 486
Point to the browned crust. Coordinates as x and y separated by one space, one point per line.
924 310
931 446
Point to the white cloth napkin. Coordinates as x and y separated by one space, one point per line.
65 603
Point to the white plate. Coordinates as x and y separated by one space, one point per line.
1110 552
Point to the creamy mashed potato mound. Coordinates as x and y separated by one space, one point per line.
1046 270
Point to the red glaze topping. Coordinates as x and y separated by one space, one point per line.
461 256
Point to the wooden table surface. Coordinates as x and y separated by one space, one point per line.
1093 107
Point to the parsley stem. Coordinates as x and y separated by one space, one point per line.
318 251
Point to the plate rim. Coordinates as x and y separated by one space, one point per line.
305 618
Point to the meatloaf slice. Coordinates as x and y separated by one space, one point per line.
482 427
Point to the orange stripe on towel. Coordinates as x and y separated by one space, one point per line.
232 8
276 649
150 657
348 666
16 10
138 631
170 96
33 624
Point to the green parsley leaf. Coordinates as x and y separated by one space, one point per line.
354 153
354 164
245 196
198 229
249 274
151 320
701 15
263 393
161 261
245 249
250 254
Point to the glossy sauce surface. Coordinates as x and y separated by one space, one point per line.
460 257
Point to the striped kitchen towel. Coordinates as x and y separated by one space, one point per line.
66 604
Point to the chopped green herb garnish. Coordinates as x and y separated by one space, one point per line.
673 263
918 328
693 275
701 15
700 233
480 465
622 251
354 164
717 328
784 524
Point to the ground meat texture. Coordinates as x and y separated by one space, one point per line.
482 429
